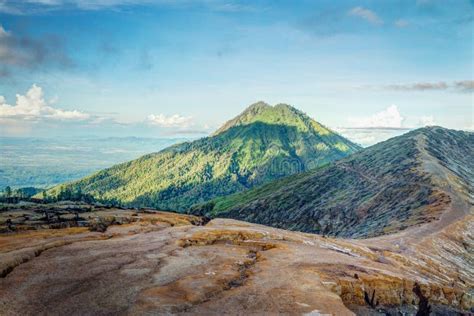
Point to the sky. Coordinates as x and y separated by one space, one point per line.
166 68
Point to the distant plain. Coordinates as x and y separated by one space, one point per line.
44 162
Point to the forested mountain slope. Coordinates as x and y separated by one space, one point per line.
262 144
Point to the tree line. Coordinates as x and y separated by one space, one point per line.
10 195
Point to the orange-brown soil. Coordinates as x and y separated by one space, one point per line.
164 263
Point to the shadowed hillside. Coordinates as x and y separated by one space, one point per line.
262 144
405 181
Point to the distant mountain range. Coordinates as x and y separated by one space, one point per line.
263 143
405 181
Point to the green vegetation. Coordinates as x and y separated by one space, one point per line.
9 195
25 192
7 192
378 190
67 194
238 200
264 143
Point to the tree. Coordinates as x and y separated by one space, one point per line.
77 195
19 193
8 191
65 194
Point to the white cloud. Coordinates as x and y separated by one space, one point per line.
401 23
366 14
388 118
374 128
381 126
33 106
370 136
169 121
68 115
426 121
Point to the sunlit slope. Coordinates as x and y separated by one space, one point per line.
262 144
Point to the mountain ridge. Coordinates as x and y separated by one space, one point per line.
379 190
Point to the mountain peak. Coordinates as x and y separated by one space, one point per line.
279 114
257 106
263 106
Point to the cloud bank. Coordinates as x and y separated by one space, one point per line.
388 118
380 126
457 86
170 121
33 115
33 107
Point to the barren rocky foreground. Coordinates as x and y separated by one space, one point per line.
124 262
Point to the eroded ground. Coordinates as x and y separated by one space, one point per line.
130 262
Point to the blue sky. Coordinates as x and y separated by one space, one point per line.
162 68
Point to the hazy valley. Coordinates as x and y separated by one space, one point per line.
45 162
